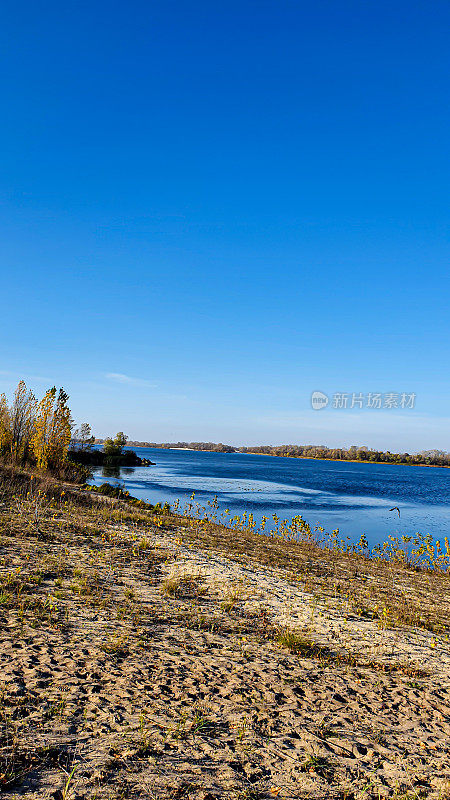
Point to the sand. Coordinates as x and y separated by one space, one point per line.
153 668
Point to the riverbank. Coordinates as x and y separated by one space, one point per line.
432 458
336 460
161 656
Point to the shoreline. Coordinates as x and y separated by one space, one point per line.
300 458
335 460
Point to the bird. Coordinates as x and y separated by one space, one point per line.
396 508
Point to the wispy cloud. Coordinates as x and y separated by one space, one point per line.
120 377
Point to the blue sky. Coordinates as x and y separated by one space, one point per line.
210 210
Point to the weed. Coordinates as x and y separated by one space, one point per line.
300 644
183 586
116 646
318 765
231 599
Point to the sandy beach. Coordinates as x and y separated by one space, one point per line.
143 658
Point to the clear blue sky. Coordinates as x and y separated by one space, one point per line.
226 206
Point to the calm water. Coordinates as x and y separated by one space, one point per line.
352 497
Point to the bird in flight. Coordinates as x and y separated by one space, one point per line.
396 508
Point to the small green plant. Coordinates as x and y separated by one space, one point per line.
318 765
250 794
194 721
325 731
67 785
299 643
56 708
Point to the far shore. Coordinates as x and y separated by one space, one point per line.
303 458
191 449
336 460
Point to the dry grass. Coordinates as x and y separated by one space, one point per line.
187 586
125 676
392 593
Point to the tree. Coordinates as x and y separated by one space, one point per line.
22 414
114 447
82 438
61 431
5 426
52 429
43 427
120 440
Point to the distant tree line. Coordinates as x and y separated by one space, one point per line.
437 458
354 453
210 446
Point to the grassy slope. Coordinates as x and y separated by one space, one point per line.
153 681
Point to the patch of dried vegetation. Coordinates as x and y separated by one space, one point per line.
119 680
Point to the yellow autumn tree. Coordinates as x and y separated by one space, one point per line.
21 422
40 442
52 429
5 426
61 432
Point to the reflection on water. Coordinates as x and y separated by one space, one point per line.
355 498
111 472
